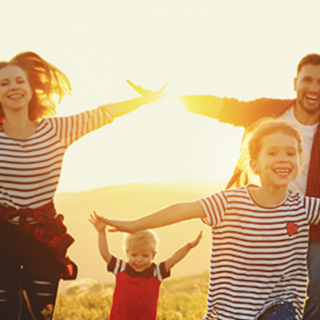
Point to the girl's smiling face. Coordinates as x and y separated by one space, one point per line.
278 162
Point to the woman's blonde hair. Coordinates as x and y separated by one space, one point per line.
252 143
48 84
141 238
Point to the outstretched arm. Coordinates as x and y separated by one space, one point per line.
182 252
169 215
119 109
102 236
206 105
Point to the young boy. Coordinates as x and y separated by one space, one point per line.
138 279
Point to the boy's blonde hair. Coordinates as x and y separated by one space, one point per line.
144 237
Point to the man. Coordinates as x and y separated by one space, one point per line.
305 111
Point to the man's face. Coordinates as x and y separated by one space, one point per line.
307 87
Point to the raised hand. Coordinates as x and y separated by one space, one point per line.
117 225
144 92
97 222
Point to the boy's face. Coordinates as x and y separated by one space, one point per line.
140 257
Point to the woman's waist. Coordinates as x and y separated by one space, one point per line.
16 220
30 215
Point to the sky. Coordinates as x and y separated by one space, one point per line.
242 49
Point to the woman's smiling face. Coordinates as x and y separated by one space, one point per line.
15 91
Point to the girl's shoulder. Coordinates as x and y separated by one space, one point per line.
239 191
296 195
230 195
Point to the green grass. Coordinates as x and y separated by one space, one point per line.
180 298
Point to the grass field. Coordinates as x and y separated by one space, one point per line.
180 298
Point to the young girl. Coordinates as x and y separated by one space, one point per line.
138 279
33 238
259 232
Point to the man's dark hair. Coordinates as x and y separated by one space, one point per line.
311 58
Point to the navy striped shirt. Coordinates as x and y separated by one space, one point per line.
30 168
258 255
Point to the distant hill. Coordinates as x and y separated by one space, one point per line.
128 202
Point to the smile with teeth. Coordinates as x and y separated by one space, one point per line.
282 171
311 97
15 96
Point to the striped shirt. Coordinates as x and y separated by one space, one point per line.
258 255
30 168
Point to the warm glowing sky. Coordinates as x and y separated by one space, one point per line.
244 49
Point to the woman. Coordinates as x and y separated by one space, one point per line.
33 239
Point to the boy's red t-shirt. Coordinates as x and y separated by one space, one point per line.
135 294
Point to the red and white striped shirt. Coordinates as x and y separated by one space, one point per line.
30 168
258 255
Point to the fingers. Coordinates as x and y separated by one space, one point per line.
195 242
92 218
161 90
143 91
132 84
138 88
199 237
96 217
98 222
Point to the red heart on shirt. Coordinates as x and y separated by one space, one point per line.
292 228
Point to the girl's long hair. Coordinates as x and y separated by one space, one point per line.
48 84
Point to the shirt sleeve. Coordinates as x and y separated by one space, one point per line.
71 128
312 206
160 271
116 265
244 113
214 207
